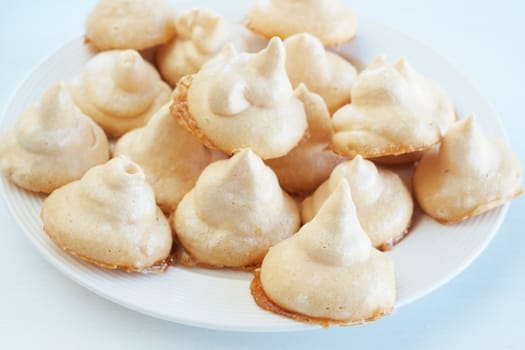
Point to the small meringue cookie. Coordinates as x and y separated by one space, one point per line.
242 100
467 175
332 22
52 144
119 90
235 213
311 162
109 218
130 24
329 270
201 34
394 110
323 72
170 156
384 204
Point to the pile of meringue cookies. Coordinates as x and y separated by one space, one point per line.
269 154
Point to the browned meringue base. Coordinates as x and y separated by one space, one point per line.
264 302
180 111
401 159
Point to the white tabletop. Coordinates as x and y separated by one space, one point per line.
483 308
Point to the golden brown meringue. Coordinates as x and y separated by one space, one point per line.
467 175
240 100
52 144
394 110
201 34
109 218
333 22
384 204
170 156
119 90
329 270
323 72
235 213
130 24
311 162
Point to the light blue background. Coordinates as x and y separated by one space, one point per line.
483 308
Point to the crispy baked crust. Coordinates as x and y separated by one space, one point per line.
270 34
402 159
370 152
182 257
179 109
265 303
480 209
389 245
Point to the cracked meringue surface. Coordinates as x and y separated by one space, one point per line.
306 166
242 100
201 34
468 174
323 72
130 24
394 111
333 22
235 213
119 90
384 204
329 269
170 156
43 151
109 218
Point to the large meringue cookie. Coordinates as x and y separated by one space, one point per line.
323 72
170 156
235 213
394 110
130 24
333 22
467 175
329 271
52 144
201 34
242 100
109 218
383 202
311 162
119 90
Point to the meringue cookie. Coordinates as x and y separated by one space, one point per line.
329 270
333 22
130 24
235 213
170 156
201 34
240 100
394 111
109 218
323 72
384 204
467 175
311 162
119 90
52 144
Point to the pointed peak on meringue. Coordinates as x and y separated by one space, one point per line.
130 70
317 113
272 59
335 236
56 108
378 62
244 165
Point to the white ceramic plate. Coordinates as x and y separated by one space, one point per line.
429 257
